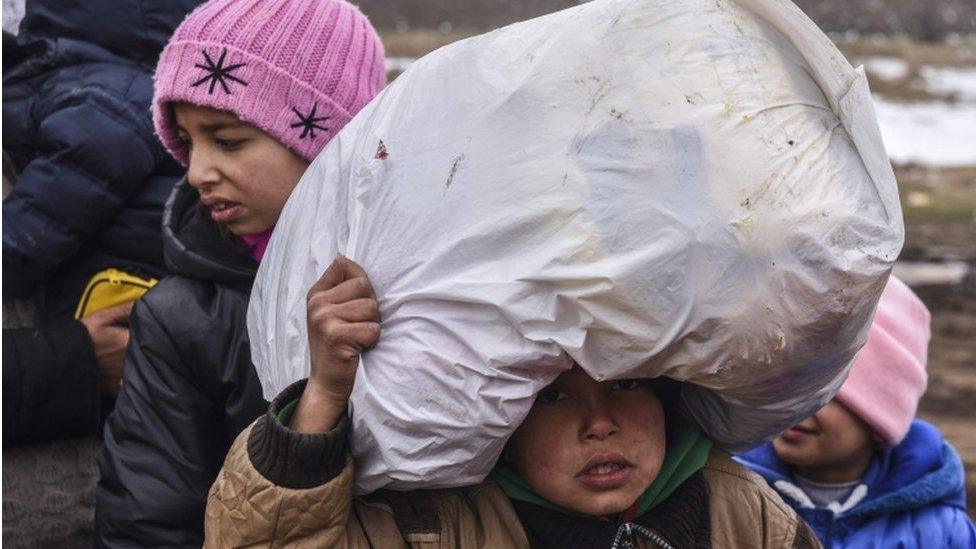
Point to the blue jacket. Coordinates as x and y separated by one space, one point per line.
912 496
92 178
91 183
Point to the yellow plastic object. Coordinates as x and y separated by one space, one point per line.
109 288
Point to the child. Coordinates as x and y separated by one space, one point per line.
247 92
860 470
593 465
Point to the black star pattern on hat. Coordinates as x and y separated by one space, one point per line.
309 123
218 73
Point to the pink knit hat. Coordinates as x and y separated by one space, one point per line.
888 377
297 69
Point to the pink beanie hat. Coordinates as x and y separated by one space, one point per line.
297 69
888 377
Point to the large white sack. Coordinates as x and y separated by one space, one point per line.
691 188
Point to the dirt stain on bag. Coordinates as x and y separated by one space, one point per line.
454 169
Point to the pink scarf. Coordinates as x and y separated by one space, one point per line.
258 243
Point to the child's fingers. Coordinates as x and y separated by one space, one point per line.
333 276
351 269
117 315
124 337
364 334
340 270
357 310
349 290
347 338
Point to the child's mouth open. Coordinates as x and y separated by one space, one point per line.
223 211
606 471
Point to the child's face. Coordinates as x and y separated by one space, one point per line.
591 447
831 439
244 175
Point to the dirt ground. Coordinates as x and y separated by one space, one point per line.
940 225
951 396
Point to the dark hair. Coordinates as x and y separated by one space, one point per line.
668 391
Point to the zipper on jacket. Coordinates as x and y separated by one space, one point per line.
625 538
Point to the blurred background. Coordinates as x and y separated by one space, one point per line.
920 57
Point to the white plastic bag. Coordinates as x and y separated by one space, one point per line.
695 189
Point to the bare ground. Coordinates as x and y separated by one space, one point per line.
951 396
945 228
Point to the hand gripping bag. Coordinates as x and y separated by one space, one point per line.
695 189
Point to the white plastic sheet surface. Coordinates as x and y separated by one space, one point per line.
696 189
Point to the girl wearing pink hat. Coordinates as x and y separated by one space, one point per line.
247 92
862 471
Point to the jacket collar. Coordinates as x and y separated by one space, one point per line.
682 520
921 470
194 247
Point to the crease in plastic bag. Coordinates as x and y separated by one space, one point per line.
693 189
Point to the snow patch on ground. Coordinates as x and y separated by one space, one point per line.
925 273
933 133
937 133
960 81
887 68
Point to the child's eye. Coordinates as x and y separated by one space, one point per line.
184 142
548 396
624 385
229 144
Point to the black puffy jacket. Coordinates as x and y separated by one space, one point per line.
189 388
93 178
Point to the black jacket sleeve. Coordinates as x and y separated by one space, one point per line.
50 384
163 446
96 149
189 389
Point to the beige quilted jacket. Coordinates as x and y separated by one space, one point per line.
244 509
